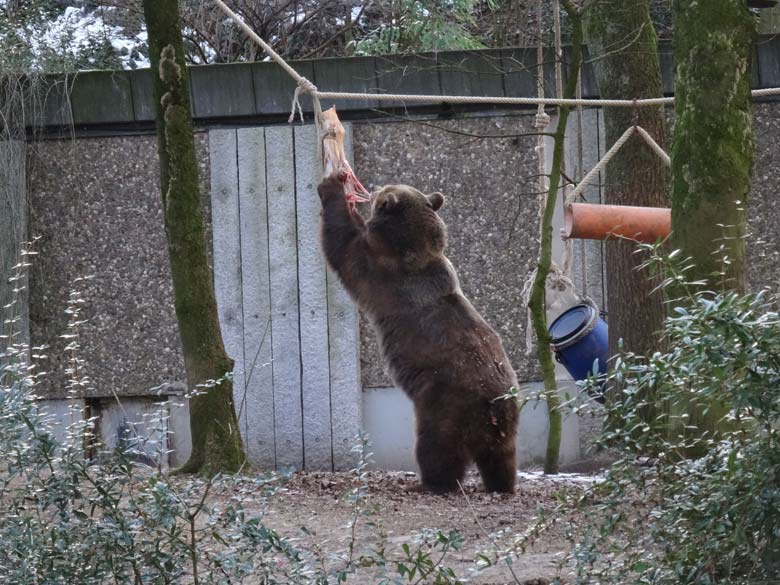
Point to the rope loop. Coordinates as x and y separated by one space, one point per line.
304 86
541 120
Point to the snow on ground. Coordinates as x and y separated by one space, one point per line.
560 477
77 29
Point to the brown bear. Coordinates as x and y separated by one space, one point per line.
446 358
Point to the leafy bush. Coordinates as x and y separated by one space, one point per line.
69 519
663 516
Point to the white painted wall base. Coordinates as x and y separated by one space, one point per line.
60 415
162 427
388 420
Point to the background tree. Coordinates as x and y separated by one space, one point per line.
623 45
712 151
216 442
110 33
712 157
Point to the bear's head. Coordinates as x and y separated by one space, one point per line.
405 224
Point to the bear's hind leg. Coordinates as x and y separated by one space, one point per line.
442 459
497 467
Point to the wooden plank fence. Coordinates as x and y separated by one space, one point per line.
287 322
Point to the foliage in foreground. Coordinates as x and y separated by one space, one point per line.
66 518
664 518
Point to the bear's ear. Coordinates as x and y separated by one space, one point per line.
436 200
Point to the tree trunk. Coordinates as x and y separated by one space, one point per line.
712 152
623 45
537 302
216 442
712 159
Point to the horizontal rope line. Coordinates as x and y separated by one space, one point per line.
457 99
530 101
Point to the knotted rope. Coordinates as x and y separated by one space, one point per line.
304 86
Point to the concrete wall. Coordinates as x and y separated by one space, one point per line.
95 205
388 419
97 210
14 308
763 244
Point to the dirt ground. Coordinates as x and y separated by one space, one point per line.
394 513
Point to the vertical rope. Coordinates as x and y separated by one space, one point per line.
558 49
564 188
541 122
568 245
542 119
580 173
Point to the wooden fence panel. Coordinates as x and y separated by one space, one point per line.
285 320
344 346
256 402
227 249
315 367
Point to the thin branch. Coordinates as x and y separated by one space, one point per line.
351 24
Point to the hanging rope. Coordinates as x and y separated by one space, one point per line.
577 191
541 121
654 145
303 84
558 49
580 173
558 280
567 254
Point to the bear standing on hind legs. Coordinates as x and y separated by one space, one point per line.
442 353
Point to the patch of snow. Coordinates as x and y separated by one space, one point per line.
560 477
355 12
296 18
78 29
210 53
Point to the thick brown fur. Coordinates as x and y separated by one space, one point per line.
442 353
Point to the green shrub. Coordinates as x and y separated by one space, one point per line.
69 519
664 517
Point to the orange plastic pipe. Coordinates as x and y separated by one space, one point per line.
598 222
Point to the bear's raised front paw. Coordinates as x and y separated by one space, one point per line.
331 186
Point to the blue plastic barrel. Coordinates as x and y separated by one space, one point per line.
579 338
